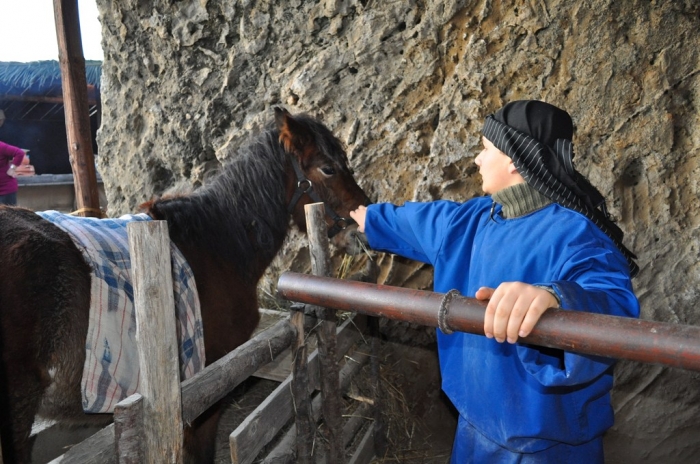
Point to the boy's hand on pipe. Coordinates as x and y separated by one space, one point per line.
514 309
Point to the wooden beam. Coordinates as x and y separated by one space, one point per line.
40 99
317 231
98 448
156 337
365 450
74 84
302 397
128 430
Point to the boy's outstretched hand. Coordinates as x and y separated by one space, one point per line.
514 309
359 216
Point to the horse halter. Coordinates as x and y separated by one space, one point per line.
305 186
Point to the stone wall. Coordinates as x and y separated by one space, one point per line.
406 85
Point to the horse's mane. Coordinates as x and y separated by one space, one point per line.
245 200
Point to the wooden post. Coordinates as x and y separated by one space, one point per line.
128 430
149 245
302 400
317 231
75 103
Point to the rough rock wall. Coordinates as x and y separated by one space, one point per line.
406 85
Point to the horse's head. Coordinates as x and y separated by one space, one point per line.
318 171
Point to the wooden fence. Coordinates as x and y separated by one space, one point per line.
148 426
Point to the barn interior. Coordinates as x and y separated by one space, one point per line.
406 86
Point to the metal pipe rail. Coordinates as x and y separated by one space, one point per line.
578 331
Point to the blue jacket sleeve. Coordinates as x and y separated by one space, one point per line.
414 230
593 281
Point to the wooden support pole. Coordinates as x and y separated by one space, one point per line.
149 245
302 399
317 232
75 101
128 430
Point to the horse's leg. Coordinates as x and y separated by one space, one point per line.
229 316
23 376
200 436
24 394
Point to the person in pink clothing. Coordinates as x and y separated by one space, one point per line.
10 158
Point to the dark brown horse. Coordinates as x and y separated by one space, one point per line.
229 231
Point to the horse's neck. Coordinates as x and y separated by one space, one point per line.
241 223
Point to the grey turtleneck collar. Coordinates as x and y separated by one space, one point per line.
519 200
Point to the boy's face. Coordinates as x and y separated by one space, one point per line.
496 169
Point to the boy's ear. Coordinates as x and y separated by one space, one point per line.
512 169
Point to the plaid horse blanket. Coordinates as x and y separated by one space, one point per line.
111 370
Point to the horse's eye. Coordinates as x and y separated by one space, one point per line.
327 170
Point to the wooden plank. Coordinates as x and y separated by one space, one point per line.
261 426
98 448
317 233
355 422
156 337
208 386
303 421
128 430
268 418
365 450
74 84
279 368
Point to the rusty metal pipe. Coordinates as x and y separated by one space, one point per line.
578 331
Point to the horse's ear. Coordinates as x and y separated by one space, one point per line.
149 208
294 136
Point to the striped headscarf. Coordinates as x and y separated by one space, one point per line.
537 137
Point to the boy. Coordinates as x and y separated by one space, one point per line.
541 239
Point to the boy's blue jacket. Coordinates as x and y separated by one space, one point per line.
522 397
